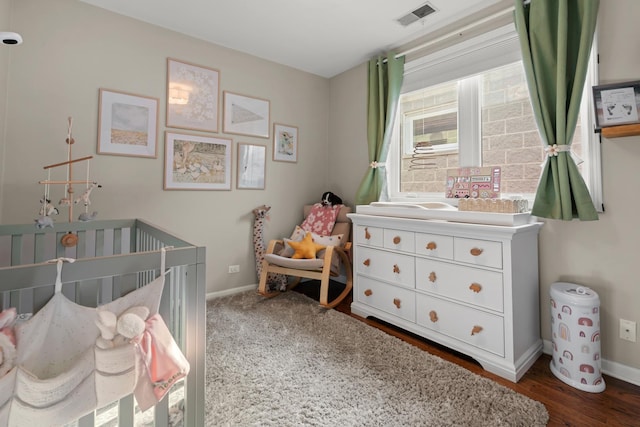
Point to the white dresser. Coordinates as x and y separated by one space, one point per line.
470 287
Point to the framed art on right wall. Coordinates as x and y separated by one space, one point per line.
285 143
617 104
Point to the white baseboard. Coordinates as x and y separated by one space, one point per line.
227 292
613 369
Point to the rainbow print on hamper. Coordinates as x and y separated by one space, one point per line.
575 324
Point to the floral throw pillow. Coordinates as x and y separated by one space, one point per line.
321 219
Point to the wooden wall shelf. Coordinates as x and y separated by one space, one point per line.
623 130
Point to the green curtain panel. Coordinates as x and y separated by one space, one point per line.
385 80
556 38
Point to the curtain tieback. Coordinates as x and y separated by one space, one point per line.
376 165
555 149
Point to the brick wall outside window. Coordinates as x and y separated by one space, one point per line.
510 139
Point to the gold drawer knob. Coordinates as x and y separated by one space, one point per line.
367 262
367 235
368 293
476 251
476 330
432 277
396 269
433 316
475 287
431 246
396 302
396 240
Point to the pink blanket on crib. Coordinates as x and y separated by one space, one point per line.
163 363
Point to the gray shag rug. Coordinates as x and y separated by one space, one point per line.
286 361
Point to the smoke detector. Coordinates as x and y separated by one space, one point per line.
10 38
416 15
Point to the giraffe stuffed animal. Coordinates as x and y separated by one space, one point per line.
274 281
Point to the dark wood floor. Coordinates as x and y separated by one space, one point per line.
618 405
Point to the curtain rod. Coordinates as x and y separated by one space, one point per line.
458 31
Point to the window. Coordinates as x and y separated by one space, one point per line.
469 106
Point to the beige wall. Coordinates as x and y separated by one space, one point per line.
5 54
604 254
348 157
71 50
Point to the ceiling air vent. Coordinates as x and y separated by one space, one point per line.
416 15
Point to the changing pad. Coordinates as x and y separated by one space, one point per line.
443 212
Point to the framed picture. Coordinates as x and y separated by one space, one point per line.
251 166
127 124
285 143
245 115
617 104
196 162
193 92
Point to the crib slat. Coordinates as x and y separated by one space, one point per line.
162 412
99 243
81 246
41 296
122 285
87 293
106 290
195 342
16 250
22 300
117 241
126 412
39 248
88 420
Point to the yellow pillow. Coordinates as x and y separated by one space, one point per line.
306 248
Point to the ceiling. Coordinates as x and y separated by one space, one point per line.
323 37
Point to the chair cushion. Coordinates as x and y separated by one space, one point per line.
299 264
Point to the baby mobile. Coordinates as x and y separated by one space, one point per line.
47 209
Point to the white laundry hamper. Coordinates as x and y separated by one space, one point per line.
575 329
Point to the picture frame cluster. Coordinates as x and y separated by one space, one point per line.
128 126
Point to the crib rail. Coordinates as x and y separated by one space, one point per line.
113 258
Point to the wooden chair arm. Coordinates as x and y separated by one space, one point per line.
273 244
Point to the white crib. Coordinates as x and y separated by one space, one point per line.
115 257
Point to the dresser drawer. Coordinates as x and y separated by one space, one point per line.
388 298
434 245
483 288
399 240
478 252
370 236
386 266
474 327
